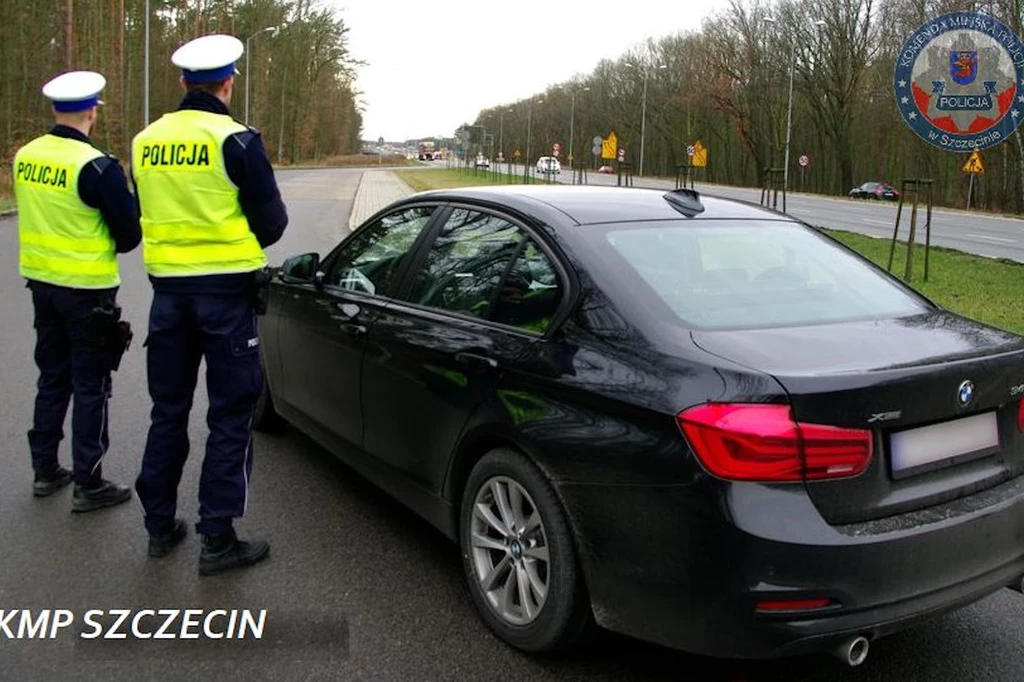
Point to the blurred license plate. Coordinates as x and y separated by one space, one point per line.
931 447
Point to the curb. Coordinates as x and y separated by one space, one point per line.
352 224
355 200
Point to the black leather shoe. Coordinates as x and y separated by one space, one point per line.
43 487
161 545
224 552
107 495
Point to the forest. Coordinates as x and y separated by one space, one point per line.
301 93
727 86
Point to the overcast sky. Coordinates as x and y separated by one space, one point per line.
434 64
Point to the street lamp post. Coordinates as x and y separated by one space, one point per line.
643 110
145 79
248 59
572 123
789 106
529 130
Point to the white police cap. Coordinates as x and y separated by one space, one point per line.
208 59
75 91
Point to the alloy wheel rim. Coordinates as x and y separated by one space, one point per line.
509 551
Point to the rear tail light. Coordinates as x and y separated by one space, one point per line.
746 442
1020 417
782 605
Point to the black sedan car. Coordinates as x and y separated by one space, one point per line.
875 190
686 419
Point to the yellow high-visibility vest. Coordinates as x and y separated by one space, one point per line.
192 223
63 240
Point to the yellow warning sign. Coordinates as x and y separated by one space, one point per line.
700 155
609 146
974 164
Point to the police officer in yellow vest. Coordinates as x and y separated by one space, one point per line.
209 205
75 214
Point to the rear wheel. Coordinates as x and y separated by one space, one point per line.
519 557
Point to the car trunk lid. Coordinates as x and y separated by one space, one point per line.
904 379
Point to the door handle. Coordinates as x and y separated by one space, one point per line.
476 360
353 330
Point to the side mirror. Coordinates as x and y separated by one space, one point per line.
302 269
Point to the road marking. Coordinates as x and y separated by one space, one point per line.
995 239
875 221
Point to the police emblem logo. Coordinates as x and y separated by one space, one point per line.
959 81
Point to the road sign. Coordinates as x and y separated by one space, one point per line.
501 157
597 140
557 153
974 164
596 149
700 154
608 146
556 147
622 154
517 153
689 150
804 161
569 158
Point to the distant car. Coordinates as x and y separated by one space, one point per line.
875 190
548 164
482 162
608 170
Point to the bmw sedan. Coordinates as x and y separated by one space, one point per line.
690 420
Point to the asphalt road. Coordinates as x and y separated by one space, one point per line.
360 588
979 233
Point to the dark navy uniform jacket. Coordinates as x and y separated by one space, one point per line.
249 169
102 185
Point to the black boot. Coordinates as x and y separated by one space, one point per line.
225 551
44 486
107 494
161 545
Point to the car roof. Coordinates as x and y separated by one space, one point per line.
588 204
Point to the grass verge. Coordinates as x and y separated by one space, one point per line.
422 180
984 289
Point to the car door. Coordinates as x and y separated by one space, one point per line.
324 327
442 345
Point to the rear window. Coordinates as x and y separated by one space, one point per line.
753 274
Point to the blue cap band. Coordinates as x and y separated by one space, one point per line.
209 76
80 105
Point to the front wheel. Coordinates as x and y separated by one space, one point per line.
265 418
519 557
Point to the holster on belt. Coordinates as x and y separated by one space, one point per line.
107 331
261 290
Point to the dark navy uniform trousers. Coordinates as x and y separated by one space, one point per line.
69 366
184 329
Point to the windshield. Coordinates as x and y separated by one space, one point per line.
717 275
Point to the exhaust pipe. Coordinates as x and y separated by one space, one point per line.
853 651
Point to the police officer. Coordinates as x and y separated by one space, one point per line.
75 214
209 205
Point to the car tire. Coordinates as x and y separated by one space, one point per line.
265 418
562 617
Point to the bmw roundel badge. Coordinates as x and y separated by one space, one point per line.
965 394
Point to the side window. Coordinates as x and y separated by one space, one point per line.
531 293
371 260
466 263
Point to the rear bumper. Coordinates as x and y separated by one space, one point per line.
681 571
